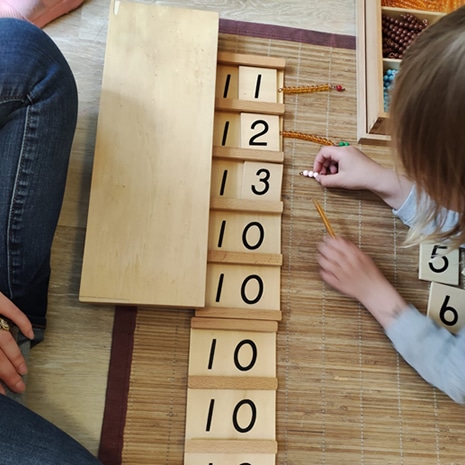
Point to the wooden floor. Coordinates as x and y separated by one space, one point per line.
68 371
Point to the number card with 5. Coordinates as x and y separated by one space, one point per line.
439 263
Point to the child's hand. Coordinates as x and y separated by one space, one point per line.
349 168
349 270
346 167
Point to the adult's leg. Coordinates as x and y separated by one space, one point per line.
27 439
38 110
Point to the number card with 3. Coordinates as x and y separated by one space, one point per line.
446 306
262 181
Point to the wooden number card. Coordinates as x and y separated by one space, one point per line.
247 232
239 286
262 181
246 180
229 459
260 132
439 263
227 82
446 306
230 414
227 129
232 353
259 84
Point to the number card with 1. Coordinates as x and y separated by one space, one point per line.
230 414
227 81
250 232
232 353
260 84
446 306
227 129
241 286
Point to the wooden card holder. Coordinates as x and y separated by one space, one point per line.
231 401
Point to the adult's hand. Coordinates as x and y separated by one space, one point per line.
12 363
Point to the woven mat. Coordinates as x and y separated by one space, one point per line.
344 394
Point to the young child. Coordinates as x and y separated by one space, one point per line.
427 114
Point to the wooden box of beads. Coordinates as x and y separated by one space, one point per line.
383 33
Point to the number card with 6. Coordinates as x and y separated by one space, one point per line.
446 306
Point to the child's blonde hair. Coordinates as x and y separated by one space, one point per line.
427 117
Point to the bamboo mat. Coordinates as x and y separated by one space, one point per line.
344 396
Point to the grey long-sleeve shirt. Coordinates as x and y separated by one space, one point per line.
436 354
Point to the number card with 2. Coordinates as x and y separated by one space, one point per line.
260 132
446 306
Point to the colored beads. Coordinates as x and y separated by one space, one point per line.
310 89
309 174
308 137
388 80
442 6
398 34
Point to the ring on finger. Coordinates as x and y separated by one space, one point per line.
4 324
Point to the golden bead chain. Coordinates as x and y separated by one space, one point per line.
310 89
443 6
311 138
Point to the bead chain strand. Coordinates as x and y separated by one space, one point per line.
311 138
310 89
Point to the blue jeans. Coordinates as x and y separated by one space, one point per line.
27 439
38 111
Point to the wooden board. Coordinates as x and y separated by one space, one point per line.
147 227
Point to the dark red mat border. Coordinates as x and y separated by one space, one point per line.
114 417
116 399
269 31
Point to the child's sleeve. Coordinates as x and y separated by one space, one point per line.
436 354
408 210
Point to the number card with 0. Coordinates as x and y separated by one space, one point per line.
446 306
247 232
230 414
232 353
241 286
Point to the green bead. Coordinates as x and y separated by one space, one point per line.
343 143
